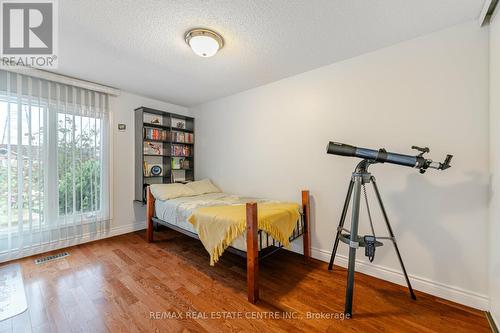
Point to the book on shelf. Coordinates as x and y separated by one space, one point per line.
180 163
180 150
156 134
153 148
182 137
176 163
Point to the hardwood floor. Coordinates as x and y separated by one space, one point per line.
124 284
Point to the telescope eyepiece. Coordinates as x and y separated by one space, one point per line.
446 164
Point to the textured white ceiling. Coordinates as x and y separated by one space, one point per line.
138 46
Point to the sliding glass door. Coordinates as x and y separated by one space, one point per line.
54 166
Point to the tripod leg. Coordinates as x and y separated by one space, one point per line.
391 233
341 224
353 246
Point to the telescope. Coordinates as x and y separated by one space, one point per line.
382 156
359 178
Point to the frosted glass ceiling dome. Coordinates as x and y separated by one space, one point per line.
204 42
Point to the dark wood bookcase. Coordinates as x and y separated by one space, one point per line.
166 140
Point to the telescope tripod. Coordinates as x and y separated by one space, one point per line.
359 178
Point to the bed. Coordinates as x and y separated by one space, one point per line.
254 243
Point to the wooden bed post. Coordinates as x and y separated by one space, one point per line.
252 253
150 207
306 209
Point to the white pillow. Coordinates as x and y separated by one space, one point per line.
203 186
170 191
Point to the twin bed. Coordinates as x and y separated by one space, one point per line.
249 227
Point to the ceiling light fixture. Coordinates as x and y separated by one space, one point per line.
204 42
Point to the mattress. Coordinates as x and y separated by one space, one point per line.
177 211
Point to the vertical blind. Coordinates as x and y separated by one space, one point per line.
54 167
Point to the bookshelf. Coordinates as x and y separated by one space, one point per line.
164 148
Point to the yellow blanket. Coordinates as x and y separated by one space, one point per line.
219 226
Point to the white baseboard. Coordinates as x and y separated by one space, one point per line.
451 293
496 320
88 237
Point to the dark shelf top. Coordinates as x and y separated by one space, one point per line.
181 143
181 169
167 155
166 127
156 125
163 113
172 142
181 130
153 140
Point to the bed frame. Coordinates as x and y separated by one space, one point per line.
255 238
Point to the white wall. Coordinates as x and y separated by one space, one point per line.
127 215
495 166
432 91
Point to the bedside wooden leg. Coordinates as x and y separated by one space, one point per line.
252 253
